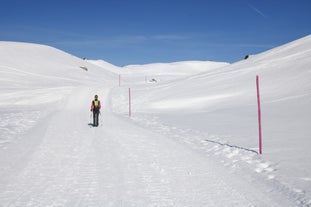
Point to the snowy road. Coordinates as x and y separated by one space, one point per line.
117 164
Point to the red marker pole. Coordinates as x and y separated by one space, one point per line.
130 111
259 115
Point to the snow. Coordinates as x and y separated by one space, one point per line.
192 139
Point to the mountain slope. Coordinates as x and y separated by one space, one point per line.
223 103
191 140
25 64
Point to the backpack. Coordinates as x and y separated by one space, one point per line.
96 105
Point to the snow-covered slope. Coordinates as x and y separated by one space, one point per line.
159 72
25 64
30 71
191 140
222 104
34 77
284 72
176 68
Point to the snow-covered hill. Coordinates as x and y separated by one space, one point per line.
25 64
222 104
191 140
159 72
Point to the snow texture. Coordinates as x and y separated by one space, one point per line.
192 138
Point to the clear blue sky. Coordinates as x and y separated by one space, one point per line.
146 31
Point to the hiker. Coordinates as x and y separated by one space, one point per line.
95 108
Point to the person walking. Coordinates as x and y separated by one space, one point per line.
95 108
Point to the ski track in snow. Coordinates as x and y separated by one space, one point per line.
122 163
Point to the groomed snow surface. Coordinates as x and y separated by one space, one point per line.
191 140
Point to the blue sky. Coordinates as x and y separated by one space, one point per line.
126 32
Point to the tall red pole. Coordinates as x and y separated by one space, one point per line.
259 115
130 112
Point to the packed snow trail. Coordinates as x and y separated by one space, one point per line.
117 164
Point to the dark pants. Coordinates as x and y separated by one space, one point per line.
95 117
